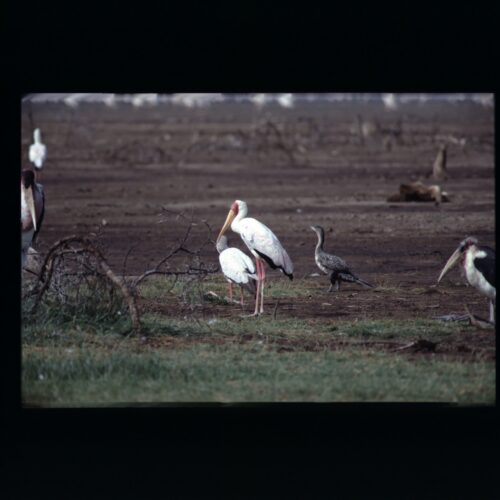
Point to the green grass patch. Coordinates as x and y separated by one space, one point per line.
398 329
85 356
251 373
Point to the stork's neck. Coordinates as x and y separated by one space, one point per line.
36 136
222 244
242 213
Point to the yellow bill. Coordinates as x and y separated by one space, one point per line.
230 217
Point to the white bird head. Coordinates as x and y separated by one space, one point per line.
238 207
319 231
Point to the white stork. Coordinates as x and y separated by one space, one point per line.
286 100
479 266
390 101
237 267
263 244
32 211
259 100
38 150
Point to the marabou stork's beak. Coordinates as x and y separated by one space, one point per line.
230 216
452 261
28 196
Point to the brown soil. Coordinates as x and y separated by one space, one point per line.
124 164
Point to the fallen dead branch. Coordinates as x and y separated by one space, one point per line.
418 345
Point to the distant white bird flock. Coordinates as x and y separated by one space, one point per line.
139 100
196 100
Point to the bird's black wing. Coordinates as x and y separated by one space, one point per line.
332 262
486 265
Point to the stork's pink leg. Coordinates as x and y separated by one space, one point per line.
230 292
263 277
257 265
241 295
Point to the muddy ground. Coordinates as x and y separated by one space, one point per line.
295 168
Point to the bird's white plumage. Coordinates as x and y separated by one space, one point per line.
236 266
474 277
25 213
389 101
321 266
26 235
263 244
286 100
139 100
259 238
259 99
38 150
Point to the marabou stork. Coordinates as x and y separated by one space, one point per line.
237 268
333 265
479 265
32 211
38 150
262 243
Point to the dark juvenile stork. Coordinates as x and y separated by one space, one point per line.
32 211
333 265
479 266
237 268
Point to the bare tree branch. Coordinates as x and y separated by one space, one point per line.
59 249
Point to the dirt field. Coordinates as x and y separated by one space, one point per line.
311 166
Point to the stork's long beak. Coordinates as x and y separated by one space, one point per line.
28 196
230 216
452 261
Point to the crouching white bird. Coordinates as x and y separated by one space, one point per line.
38 150
32 211
262 243
479 265
237 268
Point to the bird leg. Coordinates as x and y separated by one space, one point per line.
257 265
241 295
263 276
230 292
334 280
331 283
492 312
